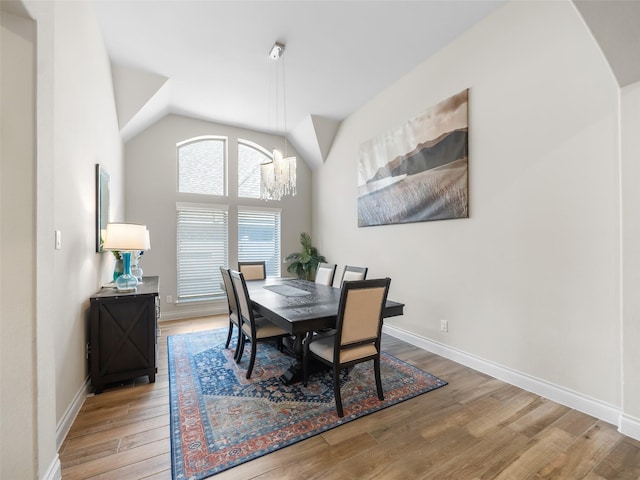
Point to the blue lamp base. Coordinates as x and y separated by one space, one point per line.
126 282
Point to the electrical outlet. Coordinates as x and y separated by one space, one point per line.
169 299
444 325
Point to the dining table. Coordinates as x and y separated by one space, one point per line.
300 307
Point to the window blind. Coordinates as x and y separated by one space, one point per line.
202 248
259 237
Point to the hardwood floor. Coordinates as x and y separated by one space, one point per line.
476 427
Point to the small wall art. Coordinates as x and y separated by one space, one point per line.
102 204
419 171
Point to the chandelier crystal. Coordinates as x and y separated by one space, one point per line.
278 176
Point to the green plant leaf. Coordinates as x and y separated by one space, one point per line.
305 262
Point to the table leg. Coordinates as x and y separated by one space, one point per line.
295 373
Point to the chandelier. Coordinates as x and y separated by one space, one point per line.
278 175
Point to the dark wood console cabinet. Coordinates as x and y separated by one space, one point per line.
123 334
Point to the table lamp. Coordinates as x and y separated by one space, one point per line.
126 238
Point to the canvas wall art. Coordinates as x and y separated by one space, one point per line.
418 171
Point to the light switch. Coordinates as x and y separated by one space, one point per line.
58 240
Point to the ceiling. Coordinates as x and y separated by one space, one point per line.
339 54
614 25
208 59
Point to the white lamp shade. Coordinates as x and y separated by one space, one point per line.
126 236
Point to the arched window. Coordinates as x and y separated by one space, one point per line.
201 165
250 157
202 228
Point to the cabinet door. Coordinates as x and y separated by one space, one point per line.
126 335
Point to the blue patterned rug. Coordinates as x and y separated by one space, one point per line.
219 419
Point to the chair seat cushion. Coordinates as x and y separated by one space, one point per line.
264 329
323 347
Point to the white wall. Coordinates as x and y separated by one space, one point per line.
530 281
50 184
86 132
151 196
18 459
630 116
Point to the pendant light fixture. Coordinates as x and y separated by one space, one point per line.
278 176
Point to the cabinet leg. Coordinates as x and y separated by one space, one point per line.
152 378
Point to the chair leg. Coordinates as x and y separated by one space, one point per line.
238 343
253 358
376 368
336 390
241 342
226 345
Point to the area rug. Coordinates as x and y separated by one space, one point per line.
219 419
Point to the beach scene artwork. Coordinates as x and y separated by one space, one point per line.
418 171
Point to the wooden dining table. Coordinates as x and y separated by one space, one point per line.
299 307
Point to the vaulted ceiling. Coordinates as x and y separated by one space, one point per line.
208 59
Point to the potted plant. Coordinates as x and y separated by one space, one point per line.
304 263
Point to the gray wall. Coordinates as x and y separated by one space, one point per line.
151 196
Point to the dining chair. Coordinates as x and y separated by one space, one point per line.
357 334
253 270
325 273
256 329
351 273
234 314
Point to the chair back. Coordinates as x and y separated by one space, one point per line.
325 273
359 322
232 299
253 270
352 273
244 303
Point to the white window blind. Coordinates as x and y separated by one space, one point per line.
259 237
201 165
202 248
250 157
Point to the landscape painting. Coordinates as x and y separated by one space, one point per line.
419 171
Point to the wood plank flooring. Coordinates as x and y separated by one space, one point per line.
475 428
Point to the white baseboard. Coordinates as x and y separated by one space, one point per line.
70 415
54 472
629 426
583 403
194 310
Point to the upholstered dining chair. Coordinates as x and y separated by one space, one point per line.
234 314
256 329
325 273
351 273
253 270
357 334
